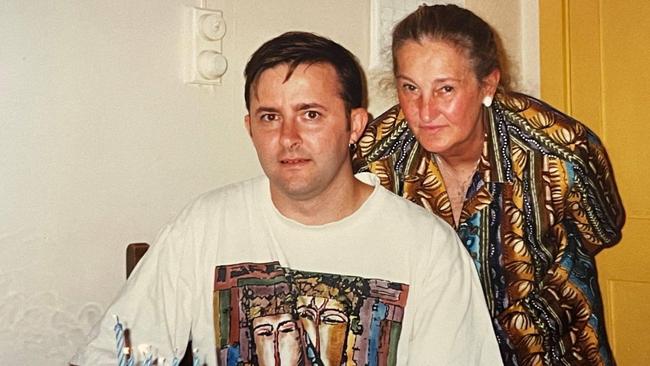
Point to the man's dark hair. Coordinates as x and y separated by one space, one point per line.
297 48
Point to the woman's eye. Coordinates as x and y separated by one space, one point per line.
409 87
447 89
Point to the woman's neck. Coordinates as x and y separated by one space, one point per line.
457 169
464 156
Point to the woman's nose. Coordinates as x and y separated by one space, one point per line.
428 109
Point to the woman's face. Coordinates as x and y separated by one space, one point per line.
441 96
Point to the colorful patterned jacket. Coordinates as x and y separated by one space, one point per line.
542 203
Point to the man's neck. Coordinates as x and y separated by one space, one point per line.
337 203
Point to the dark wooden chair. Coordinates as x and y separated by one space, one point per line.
134 253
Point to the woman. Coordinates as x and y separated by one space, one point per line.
528 189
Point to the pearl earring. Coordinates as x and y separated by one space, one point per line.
487 101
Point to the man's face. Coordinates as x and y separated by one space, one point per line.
301 131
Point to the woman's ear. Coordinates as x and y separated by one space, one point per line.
490 83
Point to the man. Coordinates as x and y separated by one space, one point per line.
300 266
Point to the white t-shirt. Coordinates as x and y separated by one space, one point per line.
390 283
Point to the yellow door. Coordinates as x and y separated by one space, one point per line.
595 66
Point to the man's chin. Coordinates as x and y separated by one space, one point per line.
296 189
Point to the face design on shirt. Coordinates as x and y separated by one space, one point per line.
277 340
301 131
326 324
266 314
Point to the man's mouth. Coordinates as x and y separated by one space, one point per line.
293 161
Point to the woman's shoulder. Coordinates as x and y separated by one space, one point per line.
536 121
389 123
385 136
538 114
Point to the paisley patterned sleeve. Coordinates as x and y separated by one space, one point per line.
376 145
586 193
593 200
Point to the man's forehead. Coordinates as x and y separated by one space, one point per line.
285 72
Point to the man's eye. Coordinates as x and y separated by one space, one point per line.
268 117
312 114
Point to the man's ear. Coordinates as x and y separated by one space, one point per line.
358 122
247 123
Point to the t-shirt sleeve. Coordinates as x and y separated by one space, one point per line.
154 305
452 325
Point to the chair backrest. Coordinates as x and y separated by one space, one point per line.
134 253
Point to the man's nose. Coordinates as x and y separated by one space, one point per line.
290 134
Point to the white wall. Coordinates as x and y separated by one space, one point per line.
101 143
516 22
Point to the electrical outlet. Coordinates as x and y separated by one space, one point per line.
207 63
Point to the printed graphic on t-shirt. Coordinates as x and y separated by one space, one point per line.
265 314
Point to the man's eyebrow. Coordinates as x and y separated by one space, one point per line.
263 109
305 106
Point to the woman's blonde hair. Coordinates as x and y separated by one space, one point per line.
461 28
